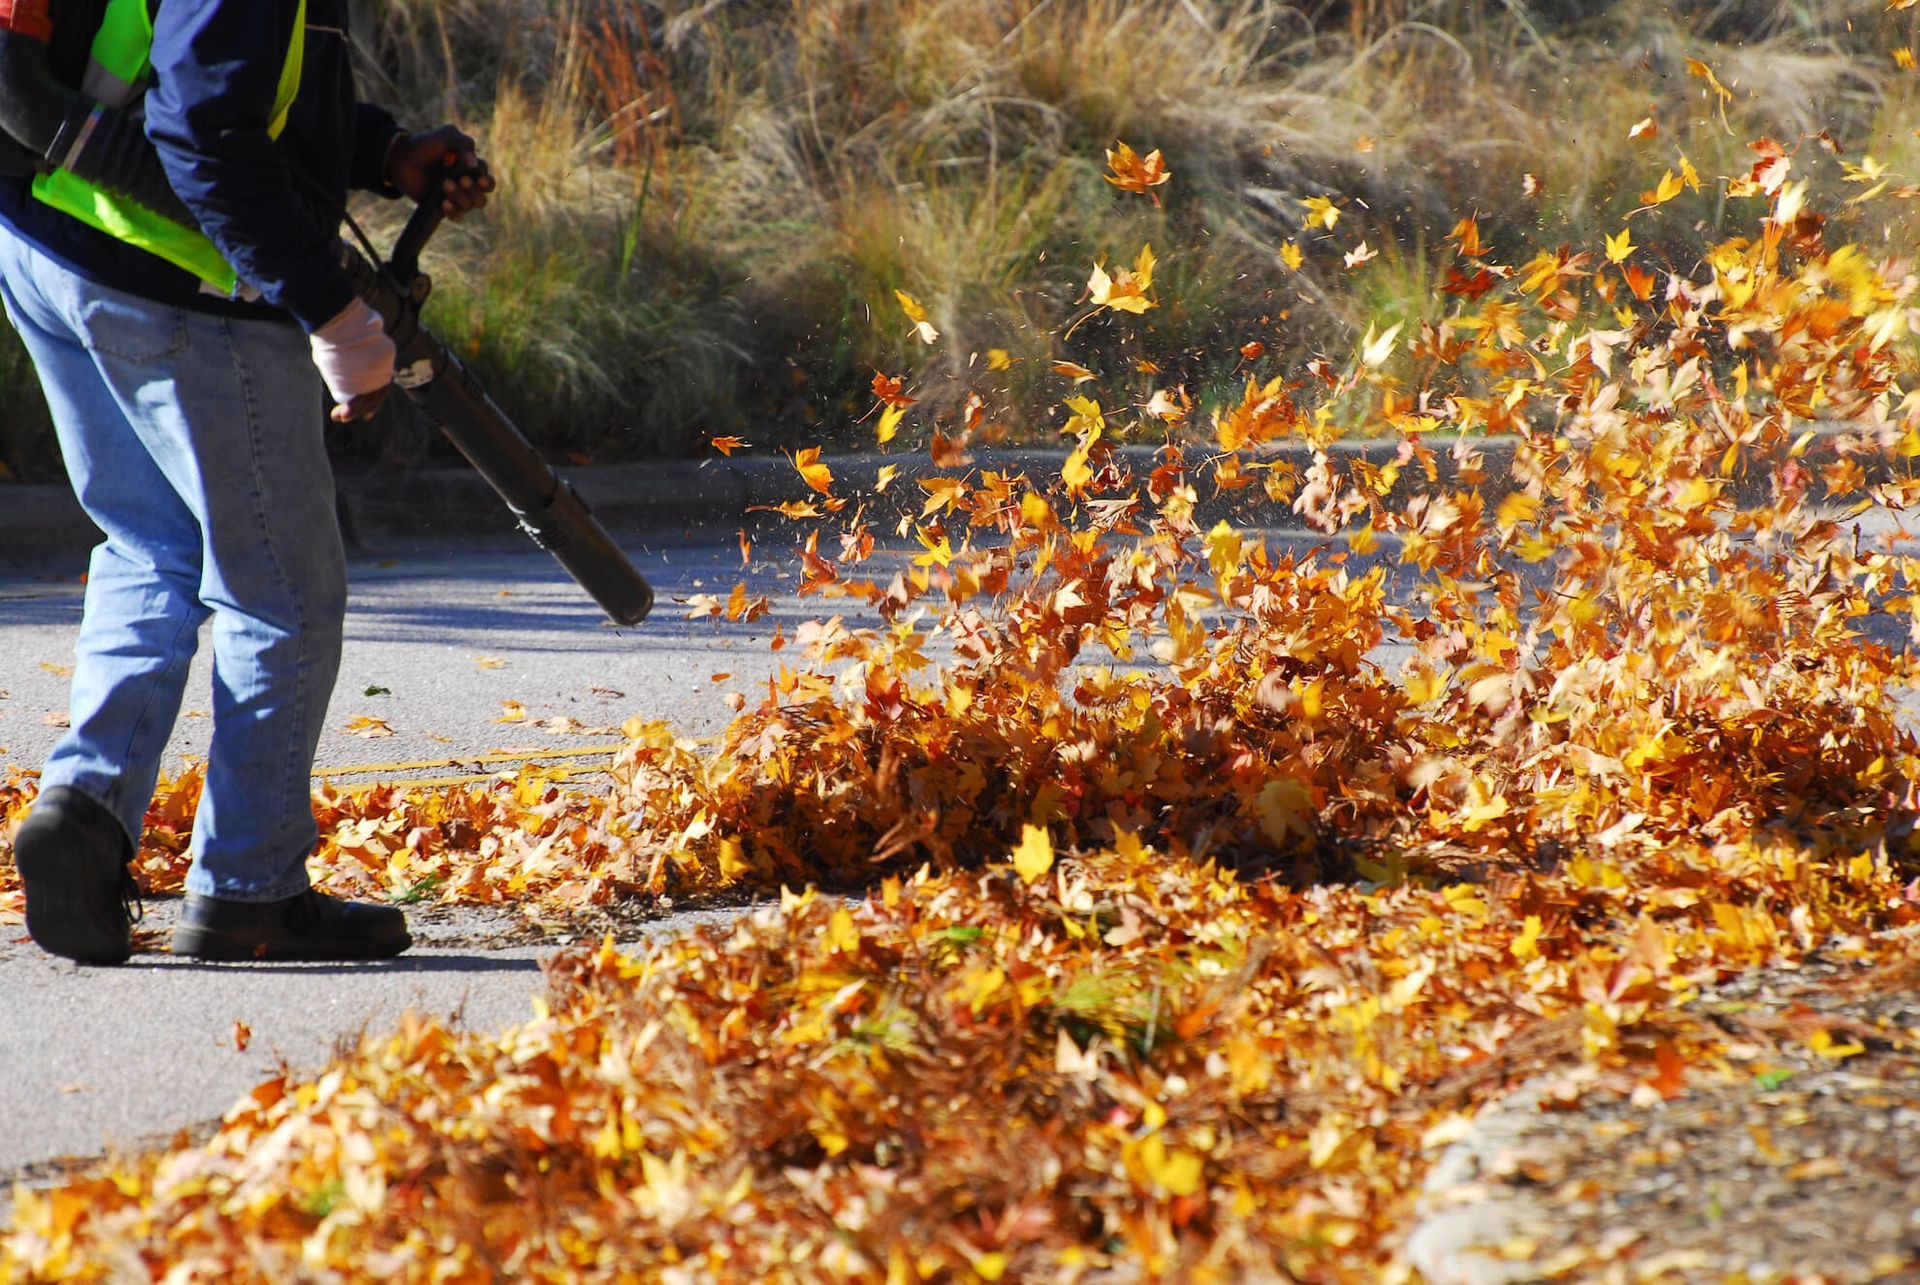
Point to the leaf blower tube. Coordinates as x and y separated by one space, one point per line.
434 379
52 126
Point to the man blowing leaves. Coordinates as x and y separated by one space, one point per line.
184 370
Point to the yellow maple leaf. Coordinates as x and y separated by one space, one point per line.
1133 172
1285 807
1176 1172
889 424
1619 247
841 933
1126 292
732 859
938 549
1292 255
1034 857
1076 473
1321 212
922 328
1517 508
1823 1044
817 475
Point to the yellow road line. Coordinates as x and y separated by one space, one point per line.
563 773
415 765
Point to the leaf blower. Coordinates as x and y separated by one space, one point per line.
47 123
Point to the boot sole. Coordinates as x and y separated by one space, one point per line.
222 948
62 918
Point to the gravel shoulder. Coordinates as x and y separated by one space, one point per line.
1782 1163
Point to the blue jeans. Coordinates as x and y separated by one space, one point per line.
195 444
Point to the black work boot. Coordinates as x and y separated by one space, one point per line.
72 856
305 926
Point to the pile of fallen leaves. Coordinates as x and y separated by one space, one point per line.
1195 915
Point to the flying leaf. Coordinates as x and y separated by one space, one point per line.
890 389
1132 172
727 445
1376 349
817 475
1517 508
1619 247
1127 291
922 328
1467 234
1320 212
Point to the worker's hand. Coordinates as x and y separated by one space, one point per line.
355 358
416 161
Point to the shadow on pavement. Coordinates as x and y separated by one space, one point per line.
401 964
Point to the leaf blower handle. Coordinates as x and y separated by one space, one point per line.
404 262
549 510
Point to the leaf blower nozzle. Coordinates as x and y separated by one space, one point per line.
445 391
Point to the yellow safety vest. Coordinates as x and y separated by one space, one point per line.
117 75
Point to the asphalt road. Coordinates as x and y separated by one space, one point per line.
438 642
97 1059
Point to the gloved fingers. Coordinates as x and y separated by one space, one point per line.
467 184
442 163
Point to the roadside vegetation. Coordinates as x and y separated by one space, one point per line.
1183 924
709 206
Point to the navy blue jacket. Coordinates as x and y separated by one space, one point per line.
271 206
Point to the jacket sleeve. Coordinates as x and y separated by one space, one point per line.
216 73
374 130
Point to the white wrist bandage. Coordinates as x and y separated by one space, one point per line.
353 353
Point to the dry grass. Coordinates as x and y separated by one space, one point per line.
709 204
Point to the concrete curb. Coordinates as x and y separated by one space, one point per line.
719 494
1465 1216
40 524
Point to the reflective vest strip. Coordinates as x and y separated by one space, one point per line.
122 51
